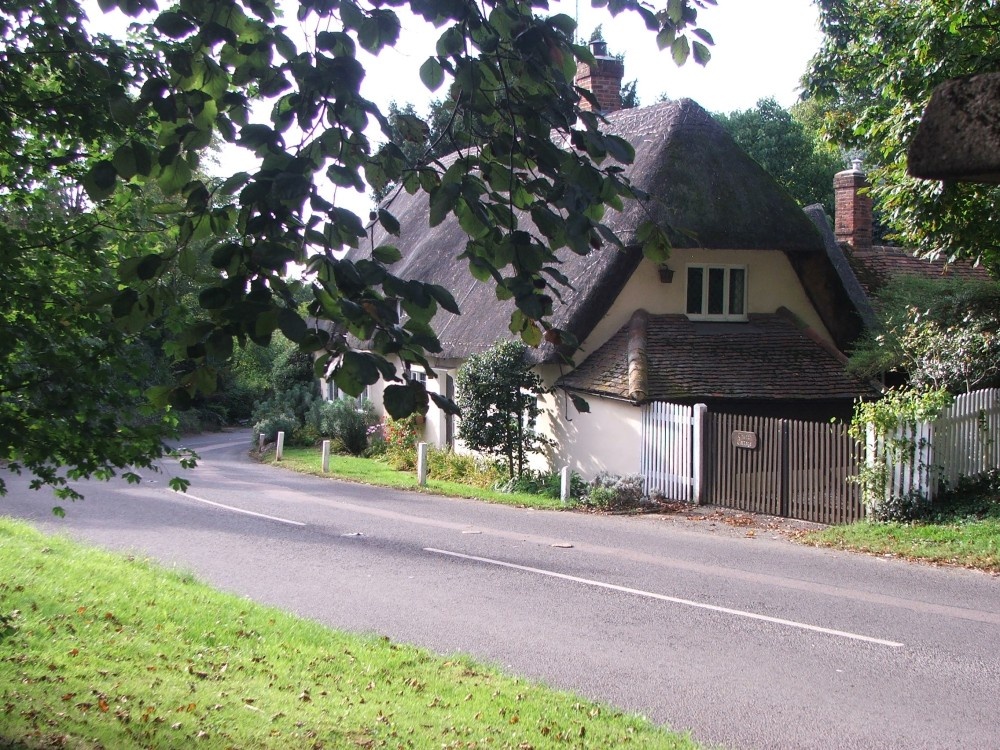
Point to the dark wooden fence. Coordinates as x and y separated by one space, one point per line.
782 467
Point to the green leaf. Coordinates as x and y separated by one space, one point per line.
432 74
403 400
273 255
124 302
444 298
100 181
123 110
388 222
379 30
356 370
174 176
680 50
703 35
173 25
292 325
386 254
336 43
531 334
443 200
666 38
620 149
579 403
234 183
124 162
445 404
702 54
149 266
213 298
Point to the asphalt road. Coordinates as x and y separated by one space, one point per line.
746 642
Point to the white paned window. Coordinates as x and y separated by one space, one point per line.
333 393
716 292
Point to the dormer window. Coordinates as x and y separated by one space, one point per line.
716 292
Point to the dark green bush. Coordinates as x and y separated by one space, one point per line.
911 506
972 498
347 420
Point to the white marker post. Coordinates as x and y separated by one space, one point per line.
564 485
422 464
326 456
261 439
281 446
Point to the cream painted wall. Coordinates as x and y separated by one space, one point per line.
771 283
607 438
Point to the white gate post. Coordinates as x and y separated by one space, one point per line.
565 477
422 464
281 446
698 454
261 438
326 456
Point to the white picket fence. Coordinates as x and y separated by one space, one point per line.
672 444
907 457
966 436
963 441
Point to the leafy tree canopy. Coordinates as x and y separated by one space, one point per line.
874 75
130 121
937 334
790 153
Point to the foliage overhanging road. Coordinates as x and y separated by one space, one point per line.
752 643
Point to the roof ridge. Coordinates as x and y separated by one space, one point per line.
637 363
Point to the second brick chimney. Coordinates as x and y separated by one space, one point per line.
603 80
853 210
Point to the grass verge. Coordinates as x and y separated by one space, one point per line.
102 651
374 472
968 543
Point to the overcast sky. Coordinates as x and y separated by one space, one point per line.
761 50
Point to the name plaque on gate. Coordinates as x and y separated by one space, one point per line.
743 439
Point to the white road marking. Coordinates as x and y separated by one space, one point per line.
672 599
239 510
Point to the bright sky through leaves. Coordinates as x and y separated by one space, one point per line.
758 53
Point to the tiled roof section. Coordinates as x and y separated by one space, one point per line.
767 358
875 267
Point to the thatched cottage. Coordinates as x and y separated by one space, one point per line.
750 314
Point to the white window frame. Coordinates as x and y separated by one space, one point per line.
333 393
727 284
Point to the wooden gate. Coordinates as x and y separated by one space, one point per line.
782 467
671 450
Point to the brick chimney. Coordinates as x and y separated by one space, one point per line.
603 80
853 211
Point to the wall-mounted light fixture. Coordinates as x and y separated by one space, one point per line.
666 274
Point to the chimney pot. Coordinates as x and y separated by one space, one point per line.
603 79
853 210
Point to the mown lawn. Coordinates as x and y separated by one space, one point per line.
374 472
968 543
102 651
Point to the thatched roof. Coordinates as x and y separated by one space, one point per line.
705 191
959 134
